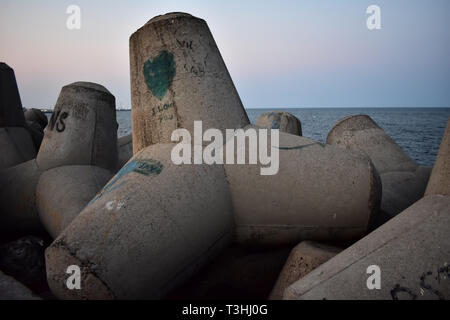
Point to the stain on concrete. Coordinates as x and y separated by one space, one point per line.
276 120
303 146
159 73
146 167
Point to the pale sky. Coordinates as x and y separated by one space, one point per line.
304 53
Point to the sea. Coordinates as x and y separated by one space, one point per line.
418 131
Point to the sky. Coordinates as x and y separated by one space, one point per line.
304 53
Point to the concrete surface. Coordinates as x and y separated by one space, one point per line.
82 130
152 226
63 192
411 250
303 259
178 76
282 120
321 192
440 177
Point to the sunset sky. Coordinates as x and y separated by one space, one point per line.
304 53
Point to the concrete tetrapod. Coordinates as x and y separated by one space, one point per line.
321 192
401 178
18 212
440 177
304 258
178 76
151 227
36 121
125 150
63 192
11 289
282 120
36 116
82 131
16 144
411 251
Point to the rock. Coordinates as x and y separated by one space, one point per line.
24 260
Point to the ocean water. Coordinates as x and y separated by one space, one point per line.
417 130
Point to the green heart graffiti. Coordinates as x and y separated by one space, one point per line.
159 73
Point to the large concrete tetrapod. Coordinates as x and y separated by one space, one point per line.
152 226
440 177
282 120
82 132
402 180
16 144
321 192
178 76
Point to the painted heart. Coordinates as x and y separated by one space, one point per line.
159 73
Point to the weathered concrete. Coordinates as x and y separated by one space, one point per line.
412 251
321 192
82 129
152 226
237 273
36 116
36 123
440 177
36 133
363 134
18 213
178 76
125 149
11 289
16 146
303 259
11 114
400 190
403 181
63 192
282 120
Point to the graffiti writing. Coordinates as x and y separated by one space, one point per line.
443 273
185 44
57 119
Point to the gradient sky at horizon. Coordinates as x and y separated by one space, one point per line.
305 53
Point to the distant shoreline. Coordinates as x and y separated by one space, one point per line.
307 108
